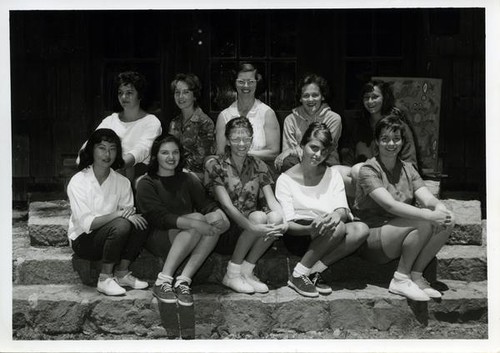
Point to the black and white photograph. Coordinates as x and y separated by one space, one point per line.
261 177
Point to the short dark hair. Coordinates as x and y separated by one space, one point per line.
87 153
317 80
236 123
132 78
391 122
192 81
153 163
248 67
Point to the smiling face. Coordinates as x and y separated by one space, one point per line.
128 96
168 158
239 141
389 143
246 83
183 95
104 154
314 152
311 98
372 101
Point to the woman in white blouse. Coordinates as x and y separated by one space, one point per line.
266 138
313 199
103 223
136 128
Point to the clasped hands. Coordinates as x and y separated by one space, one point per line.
136 219
325 224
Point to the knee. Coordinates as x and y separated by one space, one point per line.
274 218
358 231
338 234
121 226
257 217
218 220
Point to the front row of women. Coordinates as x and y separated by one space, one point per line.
240 215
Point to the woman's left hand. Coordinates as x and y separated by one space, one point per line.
138 221
327 224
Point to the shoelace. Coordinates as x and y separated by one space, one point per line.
184 289
306 279
316 278
166 287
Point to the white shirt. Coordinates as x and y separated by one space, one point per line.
256 116
137 136
308 202
89 200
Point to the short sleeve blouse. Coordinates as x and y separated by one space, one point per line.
245 188
401 184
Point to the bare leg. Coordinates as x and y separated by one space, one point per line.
323 245
405 238
247 239
260 246
356 234
430 249
183 243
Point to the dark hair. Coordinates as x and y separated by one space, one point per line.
364 131
248 67
320 132
153 163
388 102
240 122
193 83
392 123
87 153
318 81
134 79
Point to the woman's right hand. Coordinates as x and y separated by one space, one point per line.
440 216
127 212
266 230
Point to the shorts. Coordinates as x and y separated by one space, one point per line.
228 239
372 249
298 244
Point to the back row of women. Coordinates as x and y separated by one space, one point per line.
194 200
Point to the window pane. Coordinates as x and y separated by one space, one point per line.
283 34
388 68
252 34
222 91
282 92
357 73
388 34
359 33
223 34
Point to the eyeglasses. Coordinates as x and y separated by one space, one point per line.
237 140
248 82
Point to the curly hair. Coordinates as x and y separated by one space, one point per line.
317 80
133 78
87 153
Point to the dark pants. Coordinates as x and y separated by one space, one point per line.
114 241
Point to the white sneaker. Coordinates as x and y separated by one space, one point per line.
131 281
407 288
110 287
257 285
238 284
422 283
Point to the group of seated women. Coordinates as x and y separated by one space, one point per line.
219 189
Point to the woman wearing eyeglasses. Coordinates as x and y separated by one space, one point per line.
266 137
242 185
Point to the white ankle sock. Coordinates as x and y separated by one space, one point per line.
400 276
233 269
181 278
301 270
318 267
162 278
247 268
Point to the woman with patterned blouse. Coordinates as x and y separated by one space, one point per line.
242 185
385 196
192 127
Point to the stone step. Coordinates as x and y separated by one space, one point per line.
48 222
71 309
51 265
